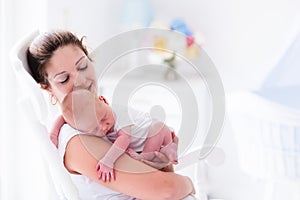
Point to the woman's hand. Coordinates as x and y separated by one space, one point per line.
160 161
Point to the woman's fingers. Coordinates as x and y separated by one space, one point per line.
160 161
154 164
161 157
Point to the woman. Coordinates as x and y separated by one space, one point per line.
59 63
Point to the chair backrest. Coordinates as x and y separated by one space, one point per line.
34 101
27 83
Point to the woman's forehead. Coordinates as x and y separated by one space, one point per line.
64 58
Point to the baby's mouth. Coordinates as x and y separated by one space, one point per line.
111 129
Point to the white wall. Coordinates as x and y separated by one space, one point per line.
244 38
97 20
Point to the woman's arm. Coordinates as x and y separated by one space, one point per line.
132 177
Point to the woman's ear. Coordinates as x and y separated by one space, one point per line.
45 87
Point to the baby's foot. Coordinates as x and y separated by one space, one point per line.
170 150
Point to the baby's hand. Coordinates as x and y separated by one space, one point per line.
56 129
54 137
105 172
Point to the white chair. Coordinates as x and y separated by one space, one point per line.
37 110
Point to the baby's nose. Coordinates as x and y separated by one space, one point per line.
105 127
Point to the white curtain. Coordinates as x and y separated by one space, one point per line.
23 172
286 71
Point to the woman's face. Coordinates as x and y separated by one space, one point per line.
69 69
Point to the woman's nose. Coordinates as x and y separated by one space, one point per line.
80 81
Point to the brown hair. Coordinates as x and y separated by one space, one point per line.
42 48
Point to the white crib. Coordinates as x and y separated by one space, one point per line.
267 135
266 124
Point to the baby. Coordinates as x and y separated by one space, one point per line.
128 129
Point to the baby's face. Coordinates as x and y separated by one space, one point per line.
105 118
85 112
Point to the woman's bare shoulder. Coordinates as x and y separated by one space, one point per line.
86 149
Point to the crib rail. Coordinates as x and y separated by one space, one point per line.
267 136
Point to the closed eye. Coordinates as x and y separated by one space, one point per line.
83 68
66 80
96 129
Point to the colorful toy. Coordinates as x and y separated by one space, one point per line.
191 50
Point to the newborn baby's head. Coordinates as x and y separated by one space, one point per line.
87 113
78 109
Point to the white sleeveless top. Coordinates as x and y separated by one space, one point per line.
88 189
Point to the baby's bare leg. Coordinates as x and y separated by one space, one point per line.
160 139
159 135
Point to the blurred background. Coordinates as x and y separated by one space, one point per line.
254 47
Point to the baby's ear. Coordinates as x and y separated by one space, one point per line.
102 98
